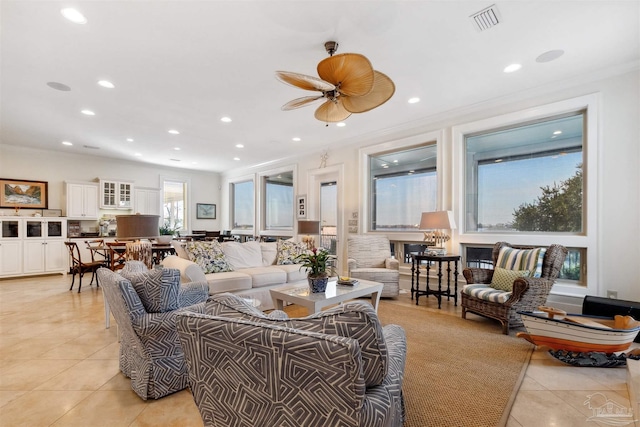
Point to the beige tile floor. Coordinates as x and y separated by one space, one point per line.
59 367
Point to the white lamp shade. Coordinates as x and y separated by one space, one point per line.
438 220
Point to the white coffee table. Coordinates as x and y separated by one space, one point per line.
299 293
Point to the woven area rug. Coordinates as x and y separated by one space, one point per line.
462 373
458 372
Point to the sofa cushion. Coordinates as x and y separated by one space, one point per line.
486 293
502 278
181 251
269 253
208 255
265 276
229 281
242 255
288 251
294 272
521 259
157 289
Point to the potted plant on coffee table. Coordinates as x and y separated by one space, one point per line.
315 261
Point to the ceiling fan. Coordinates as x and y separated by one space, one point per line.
347 81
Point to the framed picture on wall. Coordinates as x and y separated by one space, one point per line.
20 193
301 205
205 211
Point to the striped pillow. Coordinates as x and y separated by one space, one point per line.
521 259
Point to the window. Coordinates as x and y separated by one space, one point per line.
407 179
174 200
329 216
526 178
278 201
243 214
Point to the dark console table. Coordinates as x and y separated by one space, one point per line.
416 259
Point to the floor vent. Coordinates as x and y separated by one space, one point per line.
487 18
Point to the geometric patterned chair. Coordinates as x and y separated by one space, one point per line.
369 258
145 305
336 367
529 274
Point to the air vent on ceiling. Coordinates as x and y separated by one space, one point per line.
91 147
175 160
487 18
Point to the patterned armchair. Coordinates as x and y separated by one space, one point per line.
526 278
337 367
145 304
369 258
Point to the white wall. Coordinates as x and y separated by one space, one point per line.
618 192
57 167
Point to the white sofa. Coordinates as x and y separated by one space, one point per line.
255 270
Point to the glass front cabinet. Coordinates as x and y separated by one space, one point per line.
116 194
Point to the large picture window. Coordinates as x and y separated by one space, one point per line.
174 200
242 194
403 185
278 201
526 178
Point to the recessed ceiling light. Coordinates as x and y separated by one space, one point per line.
137 154
129 139
414 100
550 55
73 15
497 160
511 68
385 166
194 163
58 86
236 158
173 132
341 124
558 132
106 83
239 145
225 119
67 143
395 161
88 113
296 139
176 148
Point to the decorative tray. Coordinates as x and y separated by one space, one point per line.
350 282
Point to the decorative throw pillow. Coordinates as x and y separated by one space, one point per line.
503 278
208 255
288 251
522 259
157 289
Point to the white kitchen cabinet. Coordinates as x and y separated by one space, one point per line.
116 194
10 257
147 201
82 200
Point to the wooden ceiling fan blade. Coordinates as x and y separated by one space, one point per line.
303 81
300 102
331 112
352 71
383 90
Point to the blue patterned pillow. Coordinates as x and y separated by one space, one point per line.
208 255
157 289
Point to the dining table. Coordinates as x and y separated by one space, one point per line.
115 253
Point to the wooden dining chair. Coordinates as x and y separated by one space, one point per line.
117 254
99 251
78 267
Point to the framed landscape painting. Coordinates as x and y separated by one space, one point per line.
205 211
16 193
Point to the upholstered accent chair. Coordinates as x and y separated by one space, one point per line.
336 367
369 258
145 304
521 280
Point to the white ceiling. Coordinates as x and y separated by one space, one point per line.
185 64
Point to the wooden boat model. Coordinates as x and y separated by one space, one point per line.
575 332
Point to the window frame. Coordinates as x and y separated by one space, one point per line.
186 199
588 239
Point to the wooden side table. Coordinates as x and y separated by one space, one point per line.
440 259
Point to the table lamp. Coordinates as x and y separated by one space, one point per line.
436 222
309 228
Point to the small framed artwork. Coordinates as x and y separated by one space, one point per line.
20 193
205 211
301 205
